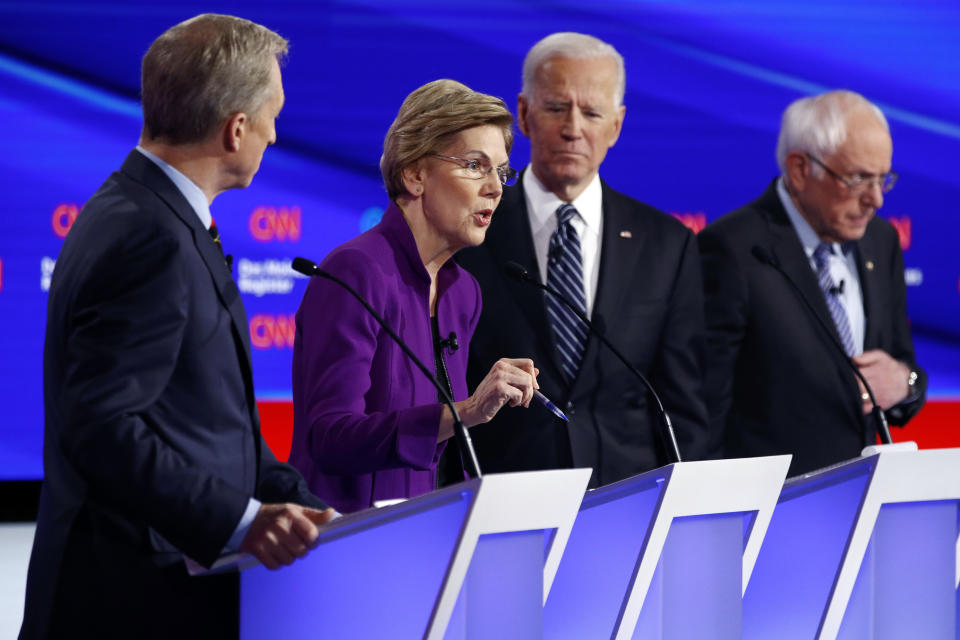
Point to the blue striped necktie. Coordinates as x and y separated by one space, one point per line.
565 274
832 294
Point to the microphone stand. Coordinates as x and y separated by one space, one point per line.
517 272
472 466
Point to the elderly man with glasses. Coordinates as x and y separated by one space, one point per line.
803 278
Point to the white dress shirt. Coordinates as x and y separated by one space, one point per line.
542 208
842 265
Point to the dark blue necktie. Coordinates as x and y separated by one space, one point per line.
565 274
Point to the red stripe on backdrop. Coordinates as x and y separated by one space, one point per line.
276 425
936 426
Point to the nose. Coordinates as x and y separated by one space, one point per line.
572 124
873 194
492 187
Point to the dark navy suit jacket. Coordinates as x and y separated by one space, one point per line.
152 444
650 301
776 384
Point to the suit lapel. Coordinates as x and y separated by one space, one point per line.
144 171
787 249
620 258
866 269
514 242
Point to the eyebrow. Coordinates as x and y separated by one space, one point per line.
486 157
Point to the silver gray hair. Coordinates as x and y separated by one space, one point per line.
818 124
578 46
201 71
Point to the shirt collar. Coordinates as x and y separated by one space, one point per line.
808 237
193 194
542 204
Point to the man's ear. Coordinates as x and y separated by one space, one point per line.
797 168
414 176
618 124
522 112
234 131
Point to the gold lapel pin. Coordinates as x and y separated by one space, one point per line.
869 265
626 233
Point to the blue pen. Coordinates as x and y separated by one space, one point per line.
545 401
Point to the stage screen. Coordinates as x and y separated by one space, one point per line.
706 85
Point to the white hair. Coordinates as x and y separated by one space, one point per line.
578 46
818 124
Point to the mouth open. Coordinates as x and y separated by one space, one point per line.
483 217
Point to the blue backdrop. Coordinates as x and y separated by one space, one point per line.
706 84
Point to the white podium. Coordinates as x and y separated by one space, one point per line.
863 549
472 561
665 554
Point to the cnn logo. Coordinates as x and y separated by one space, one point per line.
904 228
63 218
268 331
276 224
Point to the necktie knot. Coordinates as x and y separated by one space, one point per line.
821 253
565 213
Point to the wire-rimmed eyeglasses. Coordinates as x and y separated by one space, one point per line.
478 169
860 182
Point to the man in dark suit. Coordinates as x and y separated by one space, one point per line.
152 447
777 381
633 269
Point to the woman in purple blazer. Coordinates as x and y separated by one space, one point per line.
367 424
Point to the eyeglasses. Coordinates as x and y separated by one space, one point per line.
858 183
478 169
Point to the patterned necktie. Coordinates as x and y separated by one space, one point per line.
215 234
832 294
565 274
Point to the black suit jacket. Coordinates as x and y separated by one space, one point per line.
775 383
650 300
152 446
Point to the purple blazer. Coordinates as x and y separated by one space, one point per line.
365 418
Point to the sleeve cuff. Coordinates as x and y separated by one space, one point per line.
233 544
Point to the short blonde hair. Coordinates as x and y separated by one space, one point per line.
201 71
428 118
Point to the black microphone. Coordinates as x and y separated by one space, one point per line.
450 342
517 272
764 256
836 290
308 268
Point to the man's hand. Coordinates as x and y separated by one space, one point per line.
887 378
281 533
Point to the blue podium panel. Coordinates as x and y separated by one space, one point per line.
380 581
905 587
502 595
797 567
695 592
598 565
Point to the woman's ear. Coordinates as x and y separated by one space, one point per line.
414 176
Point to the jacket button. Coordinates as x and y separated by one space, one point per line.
569 408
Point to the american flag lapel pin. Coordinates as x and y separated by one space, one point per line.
626 233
